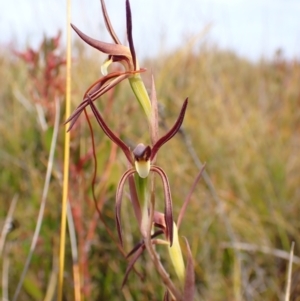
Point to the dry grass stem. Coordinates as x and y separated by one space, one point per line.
289 274
43 200
7 223
263 249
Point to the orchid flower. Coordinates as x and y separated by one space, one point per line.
141 159
116 53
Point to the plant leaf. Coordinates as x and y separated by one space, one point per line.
189 284
108 24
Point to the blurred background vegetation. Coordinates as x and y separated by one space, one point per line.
243 120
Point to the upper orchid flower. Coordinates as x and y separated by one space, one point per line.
141 159
116 53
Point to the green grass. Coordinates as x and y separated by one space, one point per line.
243 120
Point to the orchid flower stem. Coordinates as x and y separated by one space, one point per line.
141 94
141 188
155 259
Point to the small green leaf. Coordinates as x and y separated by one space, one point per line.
32 289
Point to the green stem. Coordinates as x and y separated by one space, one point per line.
141 94
141 188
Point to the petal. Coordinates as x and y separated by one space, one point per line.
134 259
137 251
142 152
142 243
119 195
172 131
104 66
168 202
97 89
141 155
109 133
108 24
115 78
142 168
159 220
129 33
108 48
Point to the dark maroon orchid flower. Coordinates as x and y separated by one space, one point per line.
140 160
116 53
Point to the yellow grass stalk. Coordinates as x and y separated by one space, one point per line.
289 274
66 160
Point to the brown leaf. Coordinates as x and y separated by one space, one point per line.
189 284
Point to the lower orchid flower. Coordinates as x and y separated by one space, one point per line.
140 159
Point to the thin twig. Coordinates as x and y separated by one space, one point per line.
7 222
263 249
41 116
43 200
5 271
188 197
289 275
